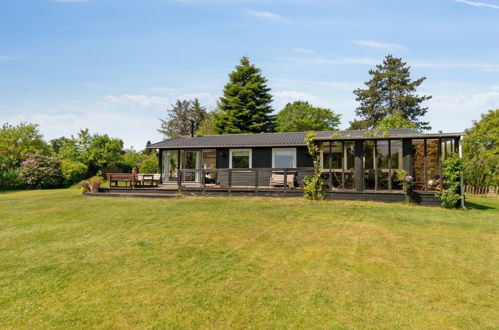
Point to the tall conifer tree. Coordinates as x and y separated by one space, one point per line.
390 91
245 106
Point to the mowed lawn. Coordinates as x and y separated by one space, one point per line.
70 261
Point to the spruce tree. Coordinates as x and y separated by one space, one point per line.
390 91
245 106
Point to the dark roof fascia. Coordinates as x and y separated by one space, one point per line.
230 147
390 137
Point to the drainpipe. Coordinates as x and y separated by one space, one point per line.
462 172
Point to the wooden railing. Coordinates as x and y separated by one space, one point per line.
252 178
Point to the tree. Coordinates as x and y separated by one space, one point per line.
95 151
207 126
245 106
390 91
395 121
481 151
180 116
18 141
301 116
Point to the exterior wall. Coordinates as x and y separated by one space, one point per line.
223 158
303 159
262 158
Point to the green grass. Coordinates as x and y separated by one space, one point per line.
69 261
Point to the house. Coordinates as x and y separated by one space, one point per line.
353 161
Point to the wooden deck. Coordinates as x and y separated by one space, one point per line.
171 190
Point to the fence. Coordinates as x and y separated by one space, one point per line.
481 190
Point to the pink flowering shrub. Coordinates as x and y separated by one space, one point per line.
39 171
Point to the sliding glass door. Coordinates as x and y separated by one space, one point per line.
192 160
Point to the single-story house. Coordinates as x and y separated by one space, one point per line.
352 160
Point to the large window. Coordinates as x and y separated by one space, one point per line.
240 158
284 158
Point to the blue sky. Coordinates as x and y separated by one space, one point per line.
114 66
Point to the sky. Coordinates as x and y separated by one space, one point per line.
116 66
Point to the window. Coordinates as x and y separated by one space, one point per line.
284 158
240 158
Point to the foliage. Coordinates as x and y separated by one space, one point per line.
407 182
395 121
131 159
94 182
481 151
73 171
150 164
180 116
301 116
390 91
10 179
85 186
41 172
207 126
452 169
16 142
95 151
245 106
314 184
57 143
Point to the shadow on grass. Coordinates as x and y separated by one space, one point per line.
475 206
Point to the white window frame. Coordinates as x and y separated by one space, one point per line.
250 156
283 149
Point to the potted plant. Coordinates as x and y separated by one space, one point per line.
85 186
94 183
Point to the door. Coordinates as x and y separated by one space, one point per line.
170 165
192 161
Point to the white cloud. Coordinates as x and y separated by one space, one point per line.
379 45
456 111
478 4
303 51
132 118
263 14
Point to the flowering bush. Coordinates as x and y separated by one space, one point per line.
407 182
39 171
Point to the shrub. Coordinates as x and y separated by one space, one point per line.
452 169
73 171
85 186
94 183
40 172
150 164
10 179
314 184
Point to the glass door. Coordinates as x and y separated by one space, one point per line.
170 165
192 160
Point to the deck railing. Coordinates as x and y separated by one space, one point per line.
245 178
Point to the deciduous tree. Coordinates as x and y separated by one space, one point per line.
301 116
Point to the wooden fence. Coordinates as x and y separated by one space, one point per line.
481 190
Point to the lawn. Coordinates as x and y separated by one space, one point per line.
69 261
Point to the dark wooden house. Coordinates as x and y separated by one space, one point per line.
356 164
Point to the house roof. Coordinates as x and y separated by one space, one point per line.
280 139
